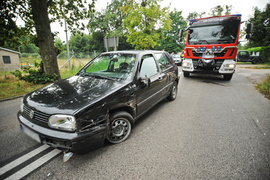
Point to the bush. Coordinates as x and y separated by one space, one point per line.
36 76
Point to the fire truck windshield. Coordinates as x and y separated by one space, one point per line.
221 33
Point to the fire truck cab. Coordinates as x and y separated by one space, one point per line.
211 45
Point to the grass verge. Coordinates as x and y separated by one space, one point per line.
11 86
264 87
256 66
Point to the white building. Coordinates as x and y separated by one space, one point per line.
9 60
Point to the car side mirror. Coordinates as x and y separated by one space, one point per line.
145 82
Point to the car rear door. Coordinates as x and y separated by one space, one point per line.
167 74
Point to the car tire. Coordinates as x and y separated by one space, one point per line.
256 61
227 77
120 127
173 93
186 74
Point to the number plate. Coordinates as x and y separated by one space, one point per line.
30 133
208 56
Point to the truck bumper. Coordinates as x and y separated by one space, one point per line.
227 67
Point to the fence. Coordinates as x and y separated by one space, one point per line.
63 55
77 59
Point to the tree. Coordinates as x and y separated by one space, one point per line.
195 15
261 28
218 10
109 23
35 13
145 23
171 37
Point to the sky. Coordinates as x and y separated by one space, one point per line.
244 7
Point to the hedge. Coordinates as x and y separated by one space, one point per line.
264 52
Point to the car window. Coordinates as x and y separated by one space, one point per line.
149 66
164 61
242 53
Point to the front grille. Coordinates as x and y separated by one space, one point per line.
216 65
38 115
216 54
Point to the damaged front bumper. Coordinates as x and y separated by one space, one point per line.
77 142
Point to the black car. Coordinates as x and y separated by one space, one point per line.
100 102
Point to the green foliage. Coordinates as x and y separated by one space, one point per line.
38 15
35 76
145 23
261 28
218 10
108 23
215 11
264 52
195 15
59 45
171 37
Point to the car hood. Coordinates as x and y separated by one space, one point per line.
72 94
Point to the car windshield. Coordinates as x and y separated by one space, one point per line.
214 34
110 66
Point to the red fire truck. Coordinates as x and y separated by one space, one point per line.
211 45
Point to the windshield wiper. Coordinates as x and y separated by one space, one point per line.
203 40
101 77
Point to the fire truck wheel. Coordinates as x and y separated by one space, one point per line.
186 74
227 77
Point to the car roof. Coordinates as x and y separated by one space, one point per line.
135 51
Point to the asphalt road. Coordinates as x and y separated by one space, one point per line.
213 130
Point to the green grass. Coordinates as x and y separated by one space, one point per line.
11 86
264 87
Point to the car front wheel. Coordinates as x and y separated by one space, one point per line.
120 127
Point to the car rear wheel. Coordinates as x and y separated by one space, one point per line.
173 92
120 127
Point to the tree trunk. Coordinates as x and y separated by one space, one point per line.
45 39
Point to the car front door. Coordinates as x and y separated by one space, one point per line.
242 56
149 94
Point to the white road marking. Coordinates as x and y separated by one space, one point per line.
30 167
22 159
34 165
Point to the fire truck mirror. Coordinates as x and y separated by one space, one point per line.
180 35
249 30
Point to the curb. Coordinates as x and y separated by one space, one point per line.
11 98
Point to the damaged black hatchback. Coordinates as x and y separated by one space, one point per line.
100 102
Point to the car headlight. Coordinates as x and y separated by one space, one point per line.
230 65
63 122
185 64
